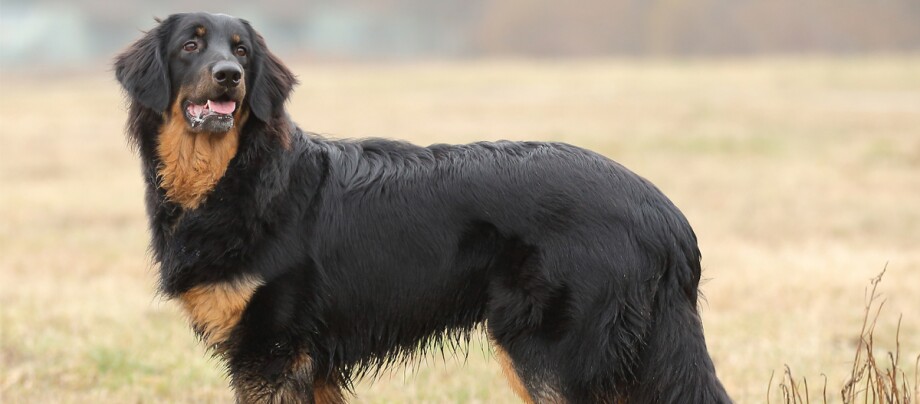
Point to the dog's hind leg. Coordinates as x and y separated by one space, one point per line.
676 367
535 389
514 380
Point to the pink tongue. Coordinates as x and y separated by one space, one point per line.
195 109
222 107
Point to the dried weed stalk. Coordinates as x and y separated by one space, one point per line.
870 381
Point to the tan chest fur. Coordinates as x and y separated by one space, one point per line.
192 163
214 310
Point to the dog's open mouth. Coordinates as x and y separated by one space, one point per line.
210 115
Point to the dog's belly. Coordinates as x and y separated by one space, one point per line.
380 310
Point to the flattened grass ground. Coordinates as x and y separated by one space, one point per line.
801 177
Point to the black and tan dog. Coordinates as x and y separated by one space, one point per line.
305 262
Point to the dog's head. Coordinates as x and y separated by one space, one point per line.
211 68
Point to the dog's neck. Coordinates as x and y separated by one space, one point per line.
192 163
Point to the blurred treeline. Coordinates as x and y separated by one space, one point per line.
48 32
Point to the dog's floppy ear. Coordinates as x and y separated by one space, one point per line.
142 69
270 83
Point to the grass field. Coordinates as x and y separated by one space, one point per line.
800 176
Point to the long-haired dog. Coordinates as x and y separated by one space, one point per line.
305 263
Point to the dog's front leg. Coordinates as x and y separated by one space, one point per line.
281 376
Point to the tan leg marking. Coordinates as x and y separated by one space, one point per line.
327 393
513 379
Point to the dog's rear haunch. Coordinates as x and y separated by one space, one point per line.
305 263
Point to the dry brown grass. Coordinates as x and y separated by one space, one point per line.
801 176
871 380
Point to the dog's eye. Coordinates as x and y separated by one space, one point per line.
240 51
190 46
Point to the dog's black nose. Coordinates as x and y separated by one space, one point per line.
227 73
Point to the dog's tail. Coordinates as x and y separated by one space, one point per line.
676 366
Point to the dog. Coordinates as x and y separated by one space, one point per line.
305 263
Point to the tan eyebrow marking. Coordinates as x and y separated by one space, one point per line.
200 31
235 38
